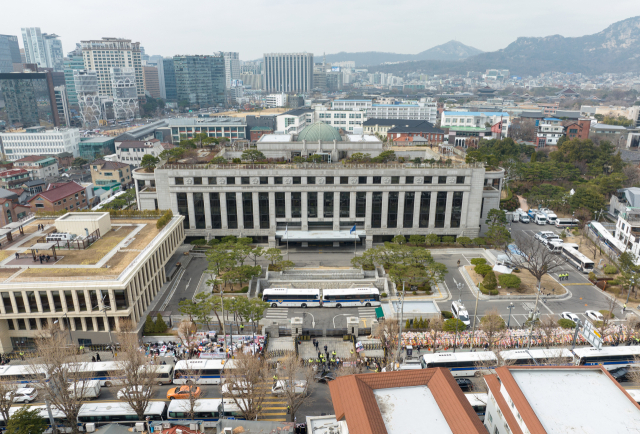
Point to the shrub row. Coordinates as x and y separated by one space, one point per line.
166 218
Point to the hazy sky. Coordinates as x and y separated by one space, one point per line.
253 27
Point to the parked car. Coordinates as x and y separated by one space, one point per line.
594 315
183 392
24 395
133 391
324 377
620 374
465 384
570 316
538 236
281 386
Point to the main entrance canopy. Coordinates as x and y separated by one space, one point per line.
329 236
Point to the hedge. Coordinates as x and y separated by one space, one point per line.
447 314
450 325
478 261
164 220
112 212
509 281
610 269
487 291
566 323
483 269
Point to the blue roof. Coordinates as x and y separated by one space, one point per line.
476 114
552 119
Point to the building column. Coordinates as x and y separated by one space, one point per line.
239 210
223 211
192 211
401 210
256 210
352 205
287 204
385 209
368 211
463 212
447 212
432 209
336 211
207 210
304 212
272 211
320 204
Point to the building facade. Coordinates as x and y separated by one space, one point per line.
427 111
68 196
38 141
294 121
96 147
276 100
125 93
109 172
578 129
231 128
351 104
341 119
62 105
71 64
288 72
106 53
169 77
200 80
13 177
254 81
548 132
9 53
22 92
87 86
42 49
231 66
38 166
132 152
151 81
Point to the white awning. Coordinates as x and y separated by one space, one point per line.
14 225
42 246
298 236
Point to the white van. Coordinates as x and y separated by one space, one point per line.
89 390
459 311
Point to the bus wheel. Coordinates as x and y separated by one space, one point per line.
107 383
274 305
160 383
304 305
339 306
368 305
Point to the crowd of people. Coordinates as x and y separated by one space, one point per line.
206 346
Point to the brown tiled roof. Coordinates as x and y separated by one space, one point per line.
494 387
30 158
108 165
354 400
59 192
12 172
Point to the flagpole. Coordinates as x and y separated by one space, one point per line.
287 232
355 244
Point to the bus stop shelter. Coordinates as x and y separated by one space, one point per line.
44 246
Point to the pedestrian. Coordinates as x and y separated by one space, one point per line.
21 355
17 255
97 357
93 358
325 349
624 307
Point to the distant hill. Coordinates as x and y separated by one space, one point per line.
615 49
452 50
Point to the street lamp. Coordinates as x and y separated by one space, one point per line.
511 306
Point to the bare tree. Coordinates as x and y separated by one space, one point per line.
435 327
7 393
388 334
535 258
546 329
493 327
187 335
61 374
139 377
245 383
294 390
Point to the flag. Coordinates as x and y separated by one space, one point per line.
353 229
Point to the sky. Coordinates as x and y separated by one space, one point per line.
254 27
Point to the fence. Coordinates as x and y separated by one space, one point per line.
316 333
337 332
364 331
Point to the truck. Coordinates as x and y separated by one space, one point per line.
550 215
540 219
90 389
532 213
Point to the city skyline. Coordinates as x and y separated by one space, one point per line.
410 23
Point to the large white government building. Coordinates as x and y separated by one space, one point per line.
317 204
38 141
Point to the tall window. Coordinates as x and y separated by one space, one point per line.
456 209
328 204
198 207
183 208
392 210
232 212
344 203
296 205
407 219
216 215
425 205
312 204
247 210
441 207
376 210
281 207
361 204
263 209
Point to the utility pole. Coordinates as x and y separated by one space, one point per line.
533 316
475 314
400 324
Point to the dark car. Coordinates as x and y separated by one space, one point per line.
465 384
324 377
620 374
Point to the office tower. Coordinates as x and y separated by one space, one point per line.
103 54
288 72
200 80
76 51
9 53
71 64
231 66
151 81
62 105
45 50
22 91
89 101
23 58
143 55
161 83
251 68
169 78
252 80
125 93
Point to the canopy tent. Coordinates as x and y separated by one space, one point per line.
44 246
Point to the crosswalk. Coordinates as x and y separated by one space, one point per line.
367 312
276 313
274 408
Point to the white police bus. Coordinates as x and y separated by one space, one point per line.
577 259
291 297
464 364
609 357
557 356
350 297
119 412
206 410
198 371
567 223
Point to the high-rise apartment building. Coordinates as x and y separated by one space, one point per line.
151 81
9 53
169 79
71 64
288 72
43 49
89 100
200 79
125 93
22 92
106 53
231 66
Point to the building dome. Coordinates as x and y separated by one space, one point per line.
319 131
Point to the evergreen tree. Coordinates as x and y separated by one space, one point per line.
490 283
26 421
160 326
149 326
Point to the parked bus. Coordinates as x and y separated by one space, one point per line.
120 412
479 403
21 374
567 223
198 371
291 297
461 364
351 297
577 259
59 417
610 357
206 410
560 356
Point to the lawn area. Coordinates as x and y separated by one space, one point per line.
97 250
528 285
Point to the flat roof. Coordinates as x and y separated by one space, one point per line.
577 400
275 138
361 138
82 217
399 407
505 114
